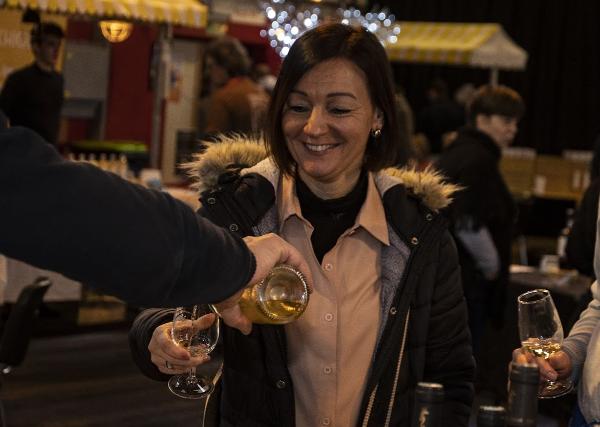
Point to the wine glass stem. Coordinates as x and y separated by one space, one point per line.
192 379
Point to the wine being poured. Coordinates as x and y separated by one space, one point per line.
280 298
196 329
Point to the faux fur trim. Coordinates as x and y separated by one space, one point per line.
242 152
237 151
428 185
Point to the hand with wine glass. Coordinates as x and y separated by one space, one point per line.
541 336
183 344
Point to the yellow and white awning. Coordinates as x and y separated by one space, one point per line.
475 45
189 13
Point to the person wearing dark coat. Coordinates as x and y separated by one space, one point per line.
32 96
387 310
141 245
483 212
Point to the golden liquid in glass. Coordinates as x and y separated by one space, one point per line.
271 311
541 348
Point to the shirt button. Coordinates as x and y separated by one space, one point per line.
329 317
211 201
327 370
328 267
325 421
280 384
233 227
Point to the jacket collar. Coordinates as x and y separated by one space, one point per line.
231 155
472 135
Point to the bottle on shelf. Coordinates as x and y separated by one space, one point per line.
561 243
280 298
523 395
123 168
429 398
491 416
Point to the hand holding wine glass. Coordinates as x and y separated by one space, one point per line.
196 329
541 335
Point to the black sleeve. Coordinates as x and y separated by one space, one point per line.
139 337
582 238
449 359
92 226
473 201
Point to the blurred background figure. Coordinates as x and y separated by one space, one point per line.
441 116
33 96
236 103
264 77
483 213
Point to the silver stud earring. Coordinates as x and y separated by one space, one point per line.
376 133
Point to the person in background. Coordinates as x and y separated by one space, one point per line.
120 238
387 310
441 116
483 212
579 357
582 237
237 104
264 77
33 96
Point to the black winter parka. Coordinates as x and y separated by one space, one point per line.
425 337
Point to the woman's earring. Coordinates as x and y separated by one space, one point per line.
376 133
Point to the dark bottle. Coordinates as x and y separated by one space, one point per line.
523 395
563 237
491 416
429 398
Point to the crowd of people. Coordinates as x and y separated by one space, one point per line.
408 266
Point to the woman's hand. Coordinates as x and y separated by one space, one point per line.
170 358
557 366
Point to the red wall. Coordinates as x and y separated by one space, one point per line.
130 96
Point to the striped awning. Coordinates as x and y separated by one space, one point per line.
476 45
189 13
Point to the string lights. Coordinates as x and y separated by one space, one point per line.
289 19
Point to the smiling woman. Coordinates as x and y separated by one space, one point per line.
326 122
387 309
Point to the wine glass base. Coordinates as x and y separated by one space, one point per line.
555 389
182 387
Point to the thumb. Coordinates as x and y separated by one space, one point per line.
270 250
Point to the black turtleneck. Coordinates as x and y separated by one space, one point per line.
330 218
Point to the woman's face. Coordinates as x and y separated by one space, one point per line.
326 123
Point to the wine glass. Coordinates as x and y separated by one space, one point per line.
541 334
195 328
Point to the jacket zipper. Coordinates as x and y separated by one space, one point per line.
394 385
373 394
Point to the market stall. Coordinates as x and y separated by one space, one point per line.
462 44
189 13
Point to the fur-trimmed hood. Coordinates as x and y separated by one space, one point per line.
241 152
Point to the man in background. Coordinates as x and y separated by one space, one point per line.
237 104
33 96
